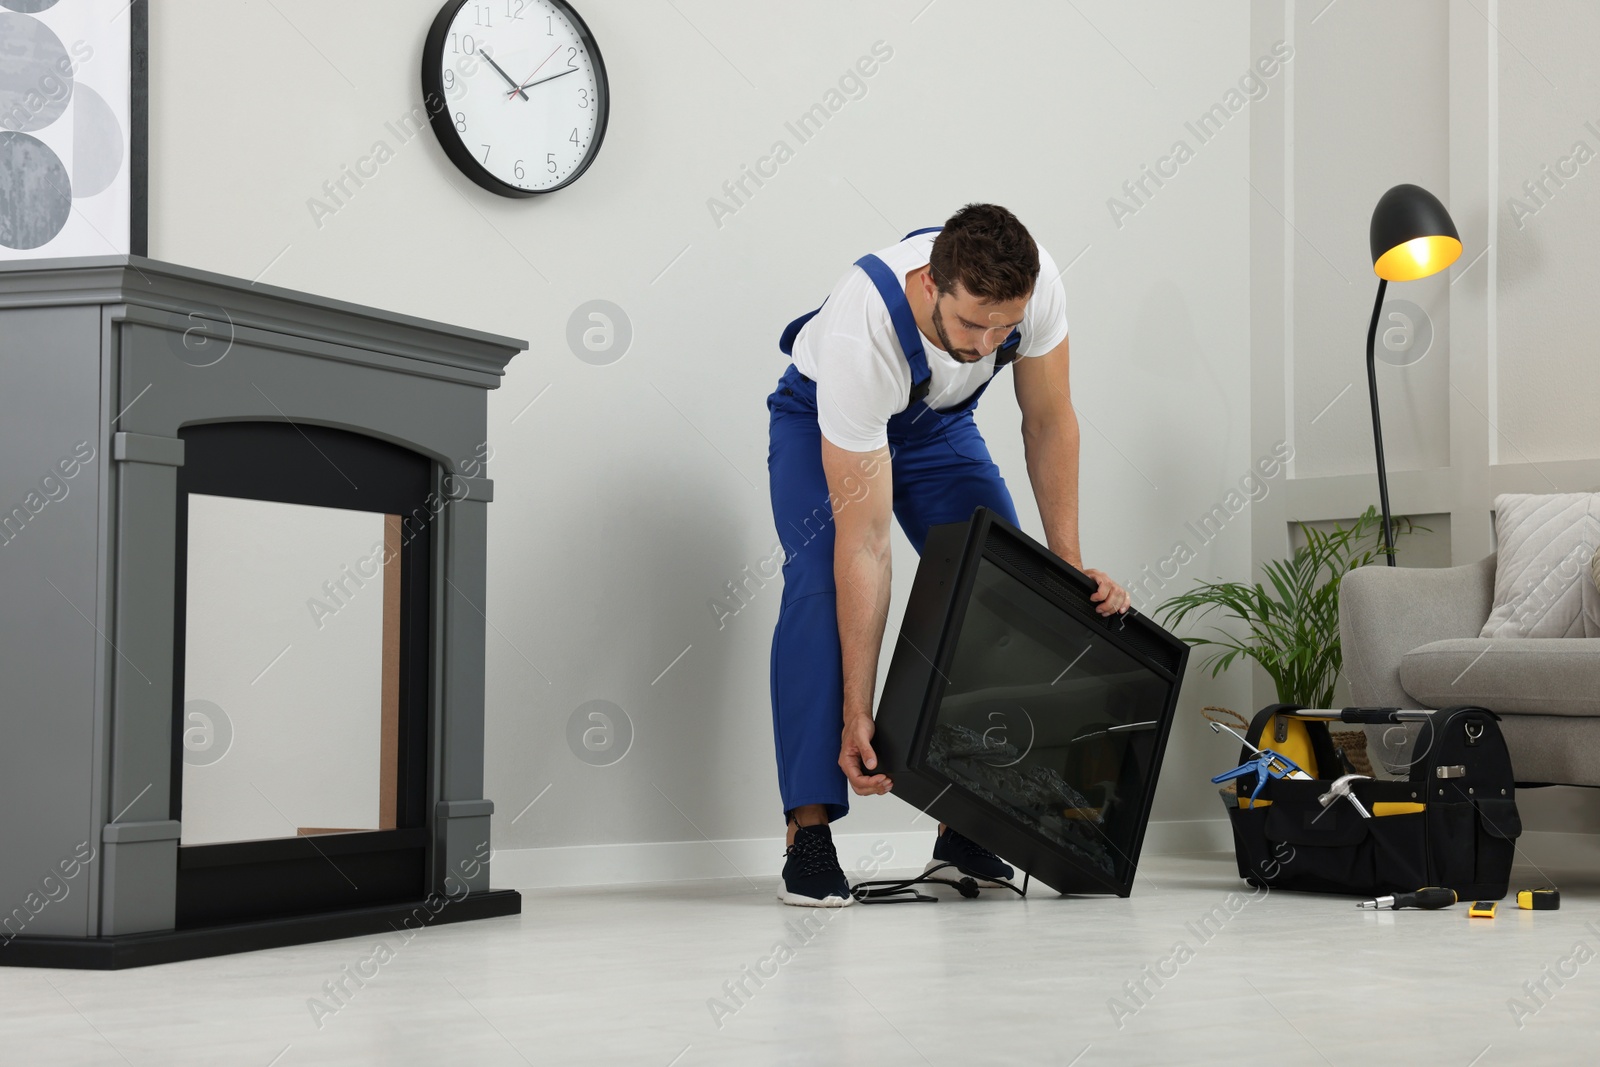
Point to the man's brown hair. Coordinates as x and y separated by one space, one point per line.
987 250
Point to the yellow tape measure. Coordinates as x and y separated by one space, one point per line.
1546 899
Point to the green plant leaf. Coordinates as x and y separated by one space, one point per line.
1291 621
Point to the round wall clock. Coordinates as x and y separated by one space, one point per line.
517 93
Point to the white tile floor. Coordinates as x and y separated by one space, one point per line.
629 976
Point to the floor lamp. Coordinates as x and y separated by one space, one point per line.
1412 237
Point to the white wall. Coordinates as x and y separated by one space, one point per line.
1546 375
1371 111
656 462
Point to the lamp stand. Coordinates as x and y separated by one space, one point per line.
1377 426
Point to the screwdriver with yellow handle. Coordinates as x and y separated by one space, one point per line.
1430 899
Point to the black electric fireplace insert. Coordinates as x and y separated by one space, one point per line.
1016 714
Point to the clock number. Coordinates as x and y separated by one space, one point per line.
583 97
521 6
549 25
449 78
574 137
484 15
518 171
572 57
466 43
486 153
461 122
550 159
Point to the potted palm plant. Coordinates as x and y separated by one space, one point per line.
1292 623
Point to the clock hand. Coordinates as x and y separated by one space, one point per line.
537 69
541 81
509 80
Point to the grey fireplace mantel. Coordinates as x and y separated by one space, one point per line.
103 364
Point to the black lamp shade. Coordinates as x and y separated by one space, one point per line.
1412 235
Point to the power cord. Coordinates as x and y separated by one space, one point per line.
893 891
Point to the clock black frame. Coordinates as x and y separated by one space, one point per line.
437 103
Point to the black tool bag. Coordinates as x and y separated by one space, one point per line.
1453 822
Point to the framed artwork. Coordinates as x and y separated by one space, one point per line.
74 116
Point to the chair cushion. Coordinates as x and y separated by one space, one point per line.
1541 584
1515 675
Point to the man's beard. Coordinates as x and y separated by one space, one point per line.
970 356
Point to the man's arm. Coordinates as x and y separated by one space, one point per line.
1050 441
860 484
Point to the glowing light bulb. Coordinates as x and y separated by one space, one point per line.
1417 258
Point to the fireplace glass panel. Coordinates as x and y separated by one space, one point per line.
291 670
1048 722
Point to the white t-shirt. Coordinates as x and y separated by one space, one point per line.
850 350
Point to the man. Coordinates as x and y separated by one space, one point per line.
874 416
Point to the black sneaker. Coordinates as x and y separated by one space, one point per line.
812 877
970 859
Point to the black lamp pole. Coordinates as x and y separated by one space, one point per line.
1411 237
1377 425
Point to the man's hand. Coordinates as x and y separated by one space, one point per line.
1110 598
855 752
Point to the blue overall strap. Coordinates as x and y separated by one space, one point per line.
905 324
1006 353
792 331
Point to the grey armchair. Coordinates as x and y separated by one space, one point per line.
1410 639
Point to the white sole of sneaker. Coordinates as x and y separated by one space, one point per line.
981 883
830 901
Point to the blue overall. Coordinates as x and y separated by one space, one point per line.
941 472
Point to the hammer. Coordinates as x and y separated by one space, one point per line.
1341 788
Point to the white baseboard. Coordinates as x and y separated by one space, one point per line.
678 861
1556 850
1184 837
861 855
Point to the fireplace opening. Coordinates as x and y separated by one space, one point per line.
301 746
